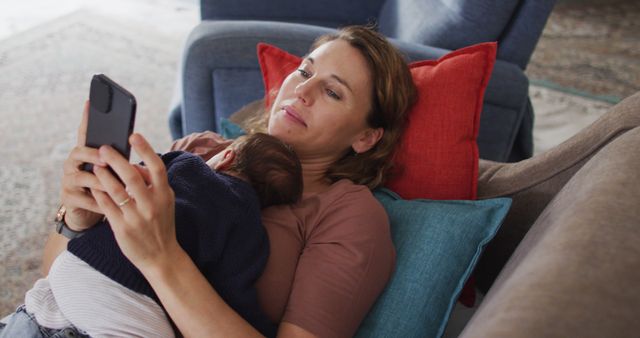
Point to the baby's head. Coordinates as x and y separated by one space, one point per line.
268 164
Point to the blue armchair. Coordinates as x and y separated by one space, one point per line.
220 72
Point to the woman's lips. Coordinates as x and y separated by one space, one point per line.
293 114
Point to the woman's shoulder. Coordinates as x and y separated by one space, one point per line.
204 144
345 192
357 198
344 208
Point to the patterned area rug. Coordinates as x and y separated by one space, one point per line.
590 47
45 80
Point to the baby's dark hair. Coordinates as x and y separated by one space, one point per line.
272 167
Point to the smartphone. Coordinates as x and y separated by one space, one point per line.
112 112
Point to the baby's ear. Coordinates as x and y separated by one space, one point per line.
226 161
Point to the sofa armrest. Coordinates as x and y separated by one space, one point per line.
576 272
534 182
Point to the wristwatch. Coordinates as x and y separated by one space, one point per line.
62 227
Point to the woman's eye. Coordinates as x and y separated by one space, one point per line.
304 73
333 94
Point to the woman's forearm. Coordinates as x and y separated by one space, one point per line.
192 303
56 243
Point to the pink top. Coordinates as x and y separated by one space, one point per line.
331 253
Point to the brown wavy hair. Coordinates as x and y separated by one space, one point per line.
392 96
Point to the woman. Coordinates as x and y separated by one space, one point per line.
342 111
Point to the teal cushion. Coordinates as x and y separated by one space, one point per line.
230 130
438 244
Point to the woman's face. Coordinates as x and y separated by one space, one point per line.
321 108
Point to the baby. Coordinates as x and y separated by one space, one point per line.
93 287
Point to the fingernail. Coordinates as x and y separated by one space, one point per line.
102 153
134 139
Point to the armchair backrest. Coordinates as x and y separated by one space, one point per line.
520 37
449 24
327 13
453 24
219 78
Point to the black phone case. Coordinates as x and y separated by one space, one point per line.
111 116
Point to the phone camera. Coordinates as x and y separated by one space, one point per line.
100 95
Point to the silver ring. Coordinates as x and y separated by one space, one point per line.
121 204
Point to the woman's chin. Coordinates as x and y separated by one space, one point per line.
286 134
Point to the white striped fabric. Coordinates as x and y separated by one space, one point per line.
96 304
39 301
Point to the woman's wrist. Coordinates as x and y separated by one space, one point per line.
164 264
75 222
191 301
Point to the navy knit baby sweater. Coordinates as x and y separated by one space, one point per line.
217 223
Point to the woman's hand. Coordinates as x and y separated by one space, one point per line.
142 214
82 209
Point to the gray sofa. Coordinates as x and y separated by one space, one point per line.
566 261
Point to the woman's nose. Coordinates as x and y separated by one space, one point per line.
304 91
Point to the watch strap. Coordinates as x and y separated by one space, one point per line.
63 229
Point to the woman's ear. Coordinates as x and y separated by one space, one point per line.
367 140
226 160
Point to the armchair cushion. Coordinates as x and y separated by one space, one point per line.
437 245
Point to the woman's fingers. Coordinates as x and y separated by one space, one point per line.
80 155
114 188
144 172
82 201
142 215
80 180
145 184
147 193
110 209
156 168
82 129
134 182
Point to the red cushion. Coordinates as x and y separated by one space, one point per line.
275 64
438 154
